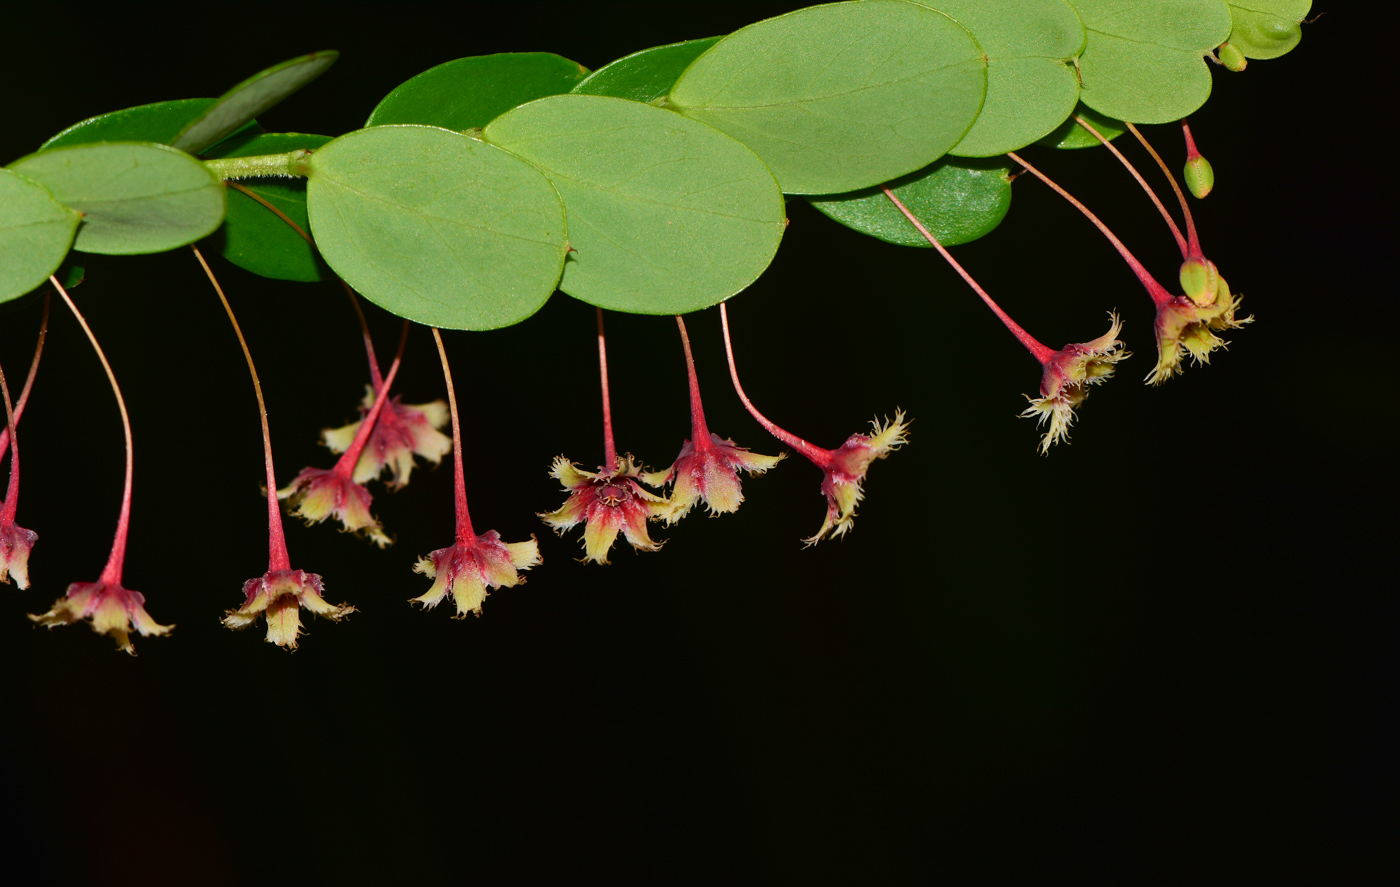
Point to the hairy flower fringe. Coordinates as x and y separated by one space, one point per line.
1065 383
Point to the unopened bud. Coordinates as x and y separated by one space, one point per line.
1230 56
1200 280
1200 178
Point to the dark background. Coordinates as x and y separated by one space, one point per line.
1163 652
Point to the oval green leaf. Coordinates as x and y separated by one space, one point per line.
1145 60
159 122
437 227
1267 29
471 92
35 233
135 197
647 75
842 96
957 199
1071 135
235 108
1032 84
253 237
666 215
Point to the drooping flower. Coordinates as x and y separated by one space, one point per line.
15 541
843 469
1066 379
708 465
1184 326
606 502
278 595
402 432
318 493
111 608
15 545
475 565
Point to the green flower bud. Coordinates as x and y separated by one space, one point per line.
1230 56
1200 280
1200 178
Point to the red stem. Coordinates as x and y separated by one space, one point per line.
1193 243
699 431
465 533
346 465
29 380
1171 223
820 457
1037 350
1191 152
112 573
609 450
1159 294
277 557
11 503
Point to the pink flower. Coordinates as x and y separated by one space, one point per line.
844 468
15 543
607 502
319 493
709 471
1065 382
279 596
402 432
1184 327
473 567
112 610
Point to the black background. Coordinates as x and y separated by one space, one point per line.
1163 652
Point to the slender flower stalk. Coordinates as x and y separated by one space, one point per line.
15 541
317 494
1151 194
29 380
708 465
1200 278
1065 374
1182 325
111 608
474 565
843 469
279 593
610 500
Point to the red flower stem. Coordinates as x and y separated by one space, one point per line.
1037 350
29 380
1171 223
277 557
820 457
374 375
347 461
112 573
11 503
1159 294
1193 243
1191 152
609 449
699 431
465 533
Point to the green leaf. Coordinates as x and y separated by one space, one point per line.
471 92
135 197
1145 59
437 227
1267 29
647 75
841 96
666 215
255 238
1032 84
235 108
35 232
159 122
1071 135
958 200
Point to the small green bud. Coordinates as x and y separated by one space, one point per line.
1230 56
1200 178
1200 280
